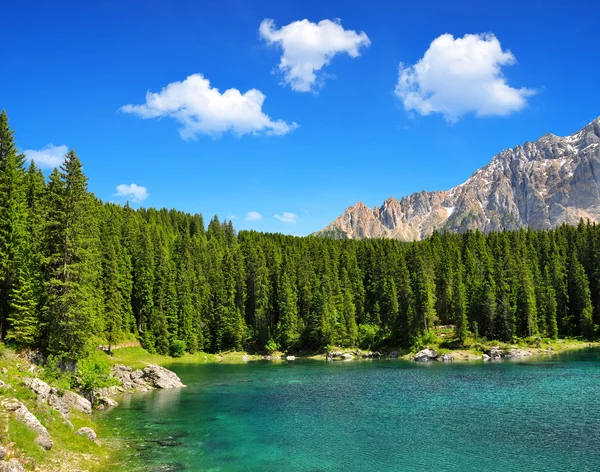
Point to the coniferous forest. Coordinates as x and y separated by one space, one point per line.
76 272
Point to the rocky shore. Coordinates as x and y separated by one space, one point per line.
66 401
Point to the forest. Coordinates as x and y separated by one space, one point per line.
76 272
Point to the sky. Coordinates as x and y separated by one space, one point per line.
280 114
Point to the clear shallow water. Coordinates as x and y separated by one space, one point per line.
379 416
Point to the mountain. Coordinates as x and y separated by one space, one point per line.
543 184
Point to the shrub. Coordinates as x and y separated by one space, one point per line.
271 346
367 335
92 373
178 348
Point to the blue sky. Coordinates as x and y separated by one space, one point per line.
359 132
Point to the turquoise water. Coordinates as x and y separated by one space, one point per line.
370 416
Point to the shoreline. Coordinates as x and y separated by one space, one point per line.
137 357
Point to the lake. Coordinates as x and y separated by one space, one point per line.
385 415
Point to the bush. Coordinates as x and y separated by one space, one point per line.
92 373
367 335
178 348
271 346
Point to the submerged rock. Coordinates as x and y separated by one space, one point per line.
160 377
28 419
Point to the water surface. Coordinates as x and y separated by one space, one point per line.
385 415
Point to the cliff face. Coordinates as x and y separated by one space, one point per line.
542 184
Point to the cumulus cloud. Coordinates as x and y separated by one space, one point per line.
253 216
460 76
200 108
286 217
133 192
49 156
308 47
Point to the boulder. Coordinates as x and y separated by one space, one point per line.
394 355
87 432
377 355
485 357
290 358
11 466
106 402
425 355
28 419
517 353
445 358
40 387
2 452
73 400
347 356
123 374
160 377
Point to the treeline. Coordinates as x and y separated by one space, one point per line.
75 272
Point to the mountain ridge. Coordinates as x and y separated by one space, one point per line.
539 184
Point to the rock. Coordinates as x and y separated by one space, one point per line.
123 374
347 356
4 370
267 358
11 466
38 386
394 355
160 377
28 419
357 352
517 353
87 432
336 353
2 452
485 357
445 358
2 384
76 401
137 374
425 355
540 184
376 355
105 403
290 358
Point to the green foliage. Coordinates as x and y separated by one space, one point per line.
178 348
367 335
74 269
271 346
92 373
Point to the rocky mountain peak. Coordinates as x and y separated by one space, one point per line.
540 184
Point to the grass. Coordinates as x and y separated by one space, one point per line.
70 452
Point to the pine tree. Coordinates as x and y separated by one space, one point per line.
73 304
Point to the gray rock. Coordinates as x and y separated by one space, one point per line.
123 374
445 358
160 377
394 355
38 386
28 419
106 402
2 452
485 357
73 400
11 466
539 184
87 432
347 356
518 353
2 383
425 355
290 358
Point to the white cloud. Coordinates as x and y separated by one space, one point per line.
308 47
49 156
286 217
460 76
132 192
253 216
200 108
